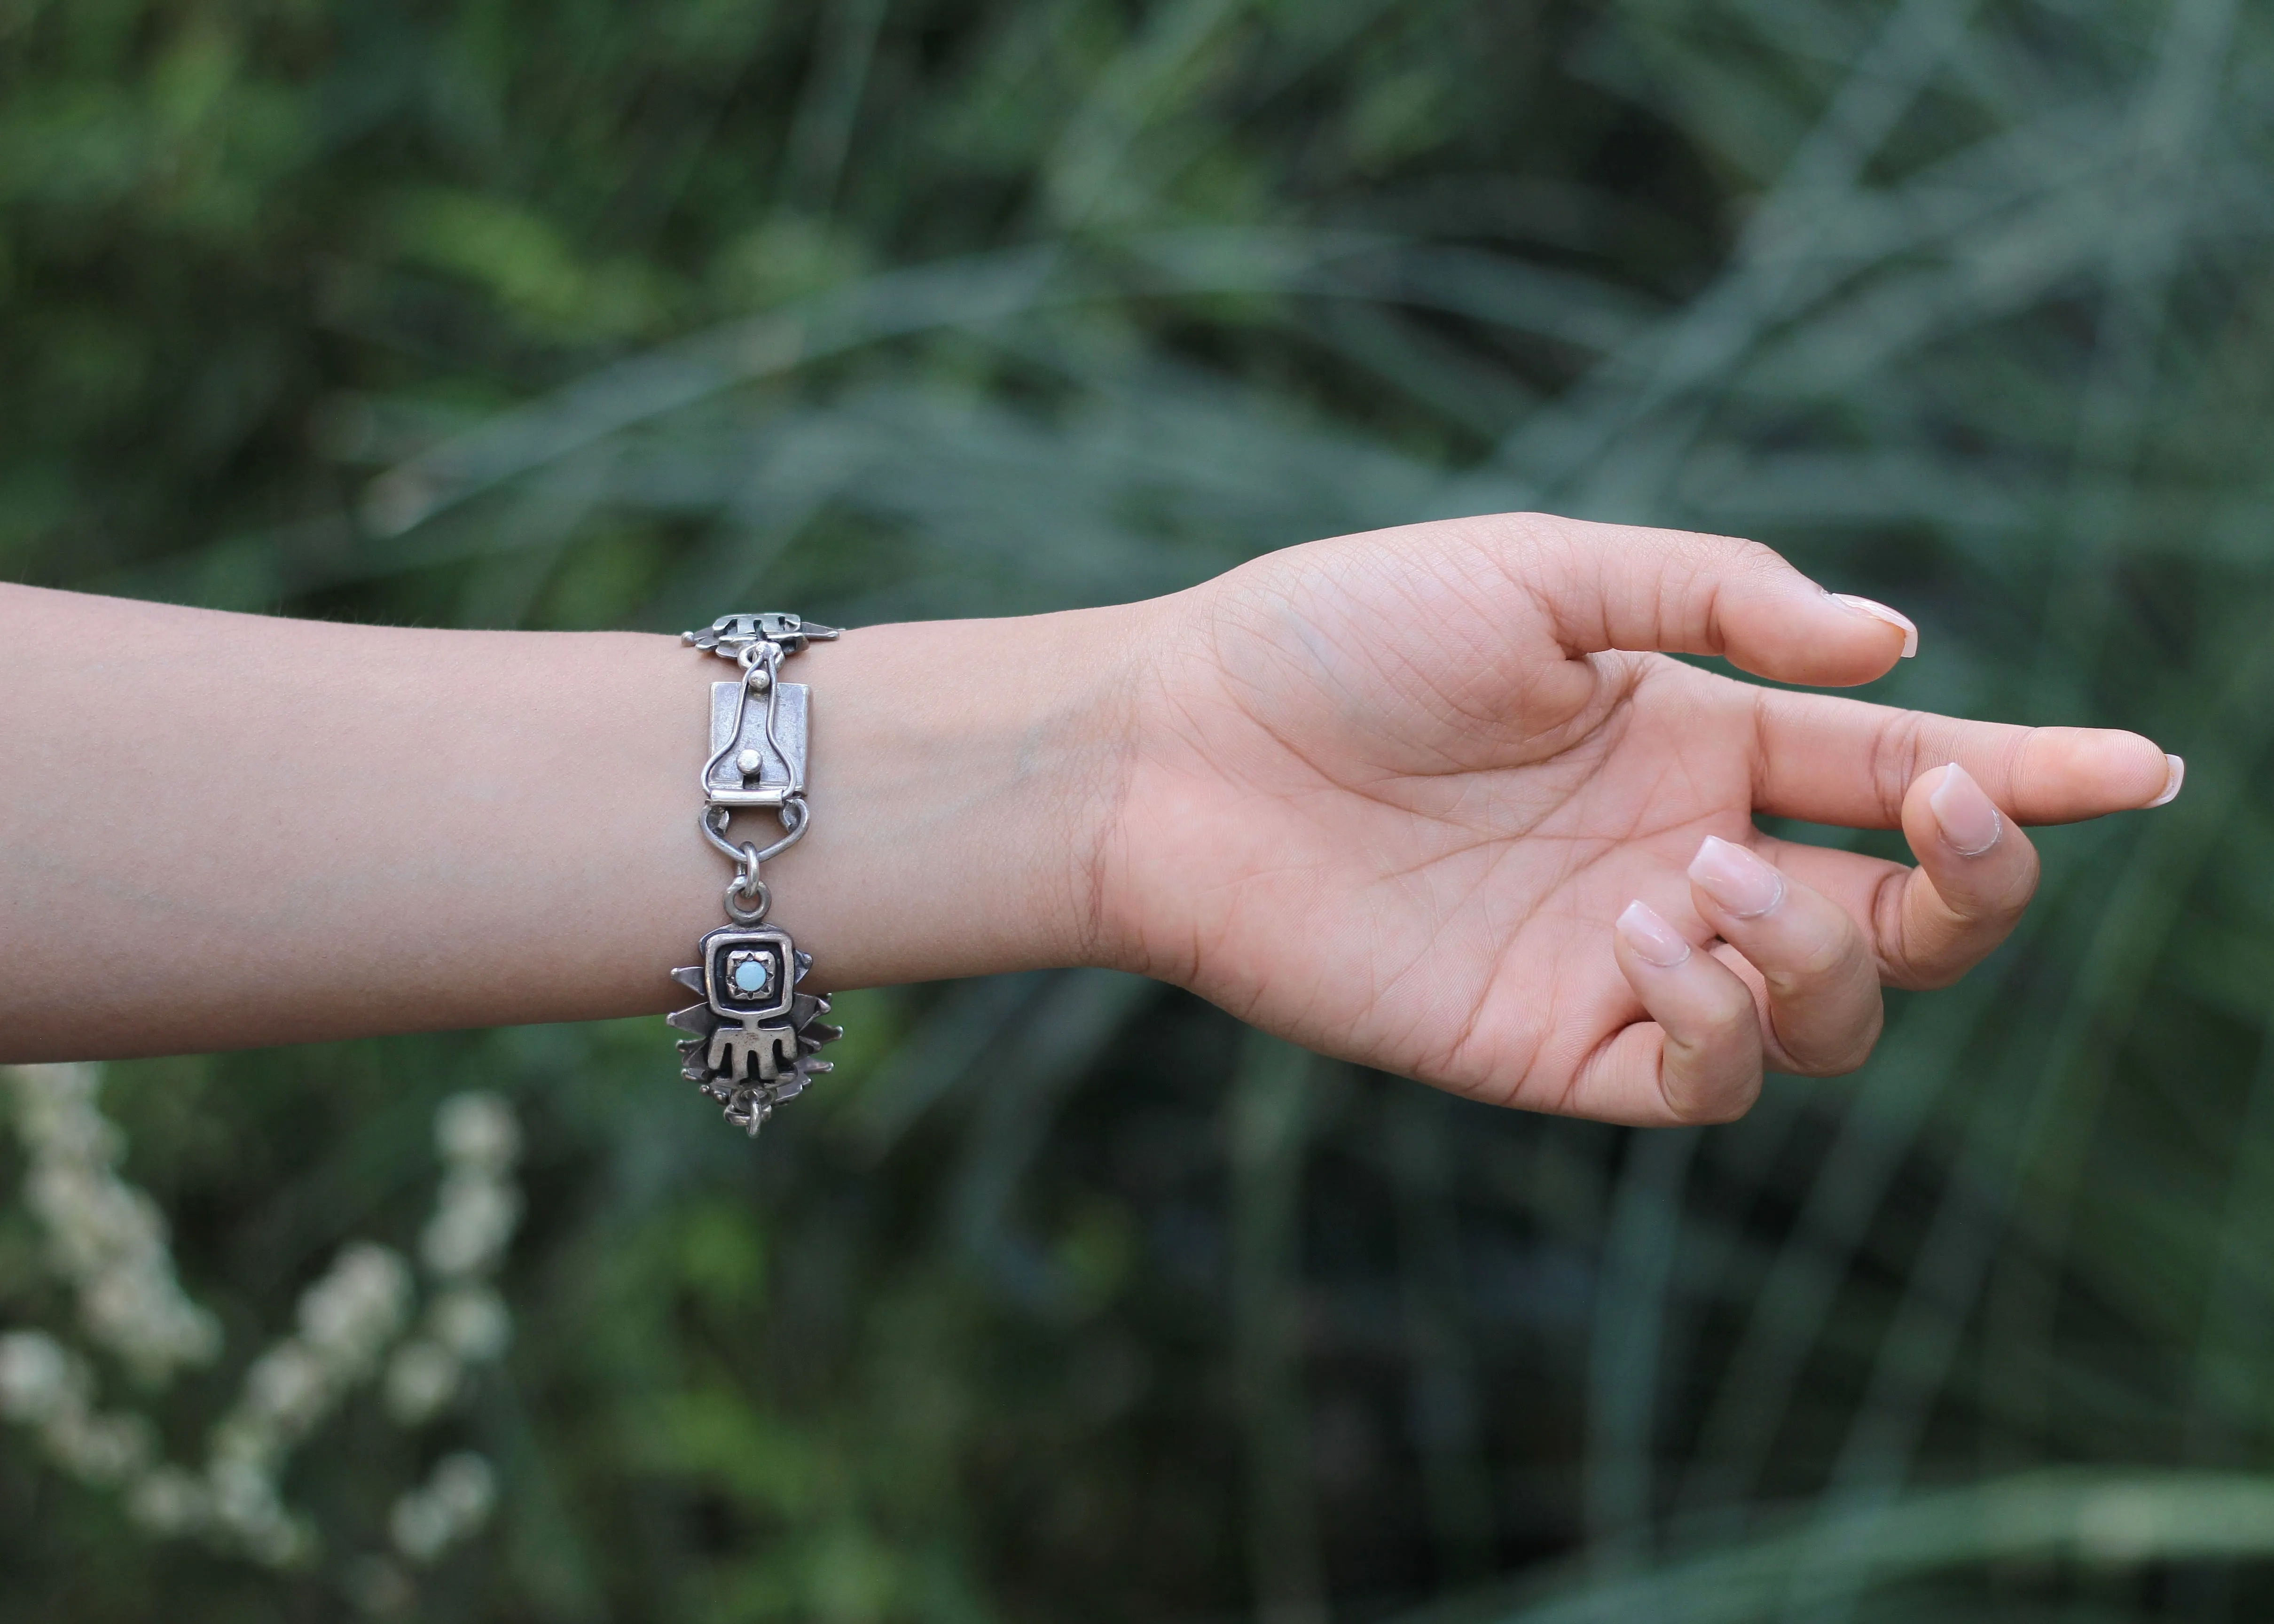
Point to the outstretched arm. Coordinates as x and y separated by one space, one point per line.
224 829
1396 796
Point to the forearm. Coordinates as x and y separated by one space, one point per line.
228 830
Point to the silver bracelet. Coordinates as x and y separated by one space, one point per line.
755 1038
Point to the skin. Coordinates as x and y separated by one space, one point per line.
1388 796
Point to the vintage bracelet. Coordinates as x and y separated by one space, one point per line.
755 1038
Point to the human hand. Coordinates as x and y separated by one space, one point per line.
1427 800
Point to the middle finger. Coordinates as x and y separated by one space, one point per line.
1930 924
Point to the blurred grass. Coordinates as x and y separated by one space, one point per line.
1066 1299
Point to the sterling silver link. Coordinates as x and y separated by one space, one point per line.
754 1038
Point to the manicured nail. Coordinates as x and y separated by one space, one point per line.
2175 773
1653 939
1733 876
1896 618
1969 819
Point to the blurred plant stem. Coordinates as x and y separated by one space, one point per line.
1267 1117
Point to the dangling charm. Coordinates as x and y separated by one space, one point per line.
754 1038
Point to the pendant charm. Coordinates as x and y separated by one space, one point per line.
755 1039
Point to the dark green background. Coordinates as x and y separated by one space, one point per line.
1066 1299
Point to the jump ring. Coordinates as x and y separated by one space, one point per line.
746 882
751 914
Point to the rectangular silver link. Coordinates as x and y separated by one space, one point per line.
780 774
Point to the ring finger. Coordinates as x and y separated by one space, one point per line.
1820 985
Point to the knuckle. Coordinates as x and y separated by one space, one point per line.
1837 1054
1892 930
1929 948
1716 1076
1895 762
1941 959
1997 896
2012 899
1815 948
1692 570
1511 539
1832 958
1724 1101
1734 1015
1712 551
1751 558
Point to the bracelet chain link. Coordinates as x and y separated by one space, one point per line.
754 1038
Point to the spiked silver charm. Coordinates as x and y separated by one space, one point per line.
754 1040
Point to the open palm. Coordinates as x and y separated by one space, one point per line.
1395 793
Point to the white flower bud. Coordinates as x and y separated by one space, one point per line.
37 1377
477 1129
354 1311
464 1482
452 1503
109 1241
243 1496
102 1450
104 1236
421 1378
472 1322
168 1500
474 1218
285 1387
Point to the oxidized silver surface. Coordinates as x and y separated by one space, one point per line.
769 734
754 1040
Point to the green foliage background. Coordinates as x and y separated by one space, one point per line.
1067 1299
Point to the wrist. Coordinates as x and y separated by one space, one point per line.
962 775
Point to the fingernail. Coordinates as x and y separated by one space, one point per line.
1880 612
1969 819
1653 939
2175 773
1733 876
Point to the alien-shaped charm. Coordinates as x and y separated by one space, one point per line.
755 1038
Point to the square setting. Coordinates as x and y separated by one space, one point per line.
746 973
749 972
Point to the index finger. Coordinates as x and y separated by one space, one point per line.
1827 760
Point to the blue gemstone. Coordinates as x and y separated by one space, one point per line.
750 975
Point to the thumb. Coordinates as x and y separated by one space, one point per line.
1616 586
